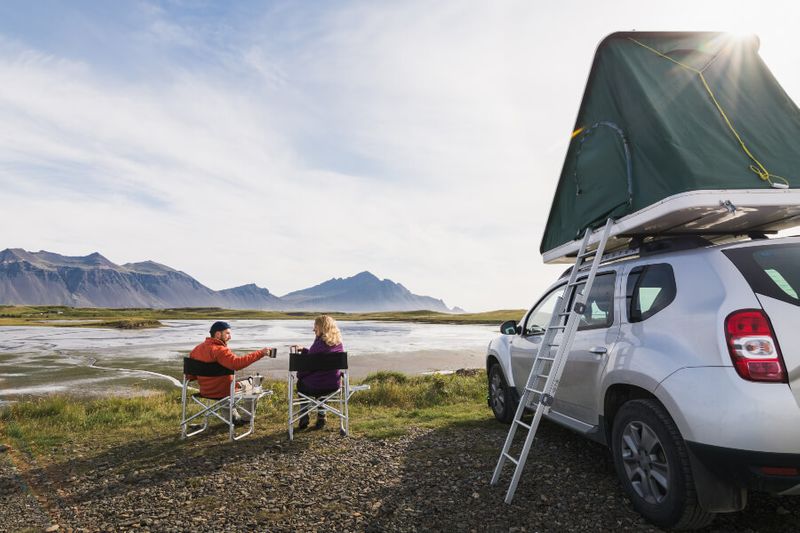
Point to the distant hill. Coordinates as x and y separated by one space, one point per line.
46 278
359 293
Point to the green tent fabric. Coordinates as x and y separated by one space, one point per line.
648 128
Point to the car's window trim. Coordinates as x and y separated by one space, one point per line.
611 306
642 270
535 306
754 275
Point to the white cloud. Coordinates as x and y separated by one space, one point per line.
421 141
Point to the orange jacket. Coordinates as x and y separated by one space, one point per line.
213 350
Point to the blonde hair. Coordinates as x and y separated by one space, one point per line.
328 330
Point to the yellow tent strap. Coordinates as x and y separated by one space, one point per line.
758 168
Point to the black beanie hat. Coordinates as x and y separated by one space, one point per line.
219 326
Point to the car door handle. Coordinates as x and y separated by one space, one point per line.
601 350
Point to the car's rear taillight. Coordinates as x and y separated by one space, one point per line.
753 347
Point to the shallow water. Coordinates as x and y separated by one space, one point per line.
43 360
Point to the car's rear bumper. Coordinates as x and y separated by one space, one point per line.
777 473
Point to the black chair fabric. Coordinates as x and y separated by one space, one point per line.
319 361
316 393
200 368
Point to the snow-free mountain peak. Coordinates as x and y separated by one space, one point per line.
47 278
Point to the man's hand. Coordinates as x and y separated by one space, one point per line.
269 352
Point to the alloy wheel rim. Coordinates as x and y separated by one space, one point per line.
498 399
645 462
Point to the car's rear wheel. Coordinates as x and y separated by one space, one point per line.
653 465
500 397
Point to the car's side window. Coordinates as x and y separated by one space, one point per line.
600 303
650 289
539 318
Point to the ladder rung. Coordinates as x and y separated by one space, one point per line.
587 254
557 327
546 358
523 424
531 389
564 314
554 344
508 456
542 375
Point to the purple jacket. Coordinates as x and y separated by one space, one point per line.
321 379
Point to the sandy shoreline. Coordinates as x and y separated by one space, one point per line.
409 362
121 378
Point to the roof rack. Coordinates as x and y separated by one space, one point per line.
718 215
659 244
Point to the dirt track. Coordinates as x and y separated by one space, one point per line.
430 480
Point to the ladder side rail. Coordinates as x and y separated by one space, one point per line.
574 317
569 299
526 395
543 405
537 418
558 313
560 361
543 351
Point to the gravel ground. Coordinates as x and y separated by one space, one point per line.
429 480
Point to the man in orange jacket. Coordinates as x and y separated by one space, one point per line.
215 350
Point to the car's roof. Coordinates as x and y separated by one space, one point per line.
693 250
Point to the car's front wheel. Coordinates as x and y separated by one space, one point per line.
653 465
500 397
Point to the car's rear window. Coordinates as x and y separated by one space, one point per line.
771 270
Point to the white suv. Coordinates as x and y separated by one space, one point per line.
686 364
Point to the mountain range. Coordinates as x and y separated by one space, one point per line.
46 278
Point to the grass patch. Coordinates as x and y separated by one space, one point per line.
393 389
122 323
49 427
386 376
135 318
391 422
39 425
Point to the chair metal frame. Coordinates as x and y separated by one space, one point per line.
211 406
335 402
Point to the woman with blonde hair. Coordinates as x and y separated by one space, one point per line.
321 382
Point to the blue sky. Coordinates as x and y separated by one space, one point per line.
284 143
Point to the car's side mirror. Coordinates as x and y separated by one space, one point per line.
509 327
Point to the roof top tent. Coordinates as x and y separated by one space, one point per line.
677 133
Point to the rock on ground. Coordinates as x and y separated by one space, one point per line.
428 480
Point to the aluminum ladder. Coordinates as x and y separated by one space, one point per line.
546 370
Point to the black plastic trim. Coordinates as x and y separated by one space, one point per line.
740 467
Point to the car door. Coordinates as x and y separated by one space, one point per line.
523 347
598 330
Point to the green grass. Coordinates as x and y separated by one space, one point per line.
139 318
46 428
392 389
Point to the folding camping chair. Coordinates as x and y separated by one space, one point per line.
212 406
334 401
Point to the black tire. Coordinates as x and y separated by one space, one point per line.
501 399
653 466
